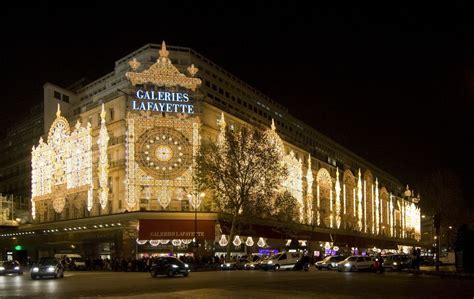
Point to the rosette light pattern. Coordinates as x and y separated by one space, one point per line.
103 142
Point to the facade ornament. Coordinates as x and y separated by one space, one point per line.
164 73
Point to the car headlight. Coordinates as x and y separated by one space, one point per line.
333 264
222 265
17 268
2 268
51 269
35 269
174 266
395 263
270 262
186 265
227 265
347 264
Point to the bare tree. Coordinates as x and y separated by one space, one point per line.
243 170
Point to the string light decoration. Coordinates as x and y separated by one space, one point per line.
62 165
338 200
223 241
103 167
324 187
377 220
309 192
186 241
163 73
359 206
261 242
294 181
365 206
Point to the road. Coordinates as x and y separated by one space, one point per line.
238 284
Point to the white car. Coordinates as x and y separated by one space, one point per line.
355 263
282 260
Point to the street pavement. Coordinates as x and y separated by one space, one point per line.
238 284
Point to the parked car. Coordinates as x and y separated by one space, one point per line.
396 262
72 261
47 266
235 265
282 260
329 262
170 266
355 263
10 267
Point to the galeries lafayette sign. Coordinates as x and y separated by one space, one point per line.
155 229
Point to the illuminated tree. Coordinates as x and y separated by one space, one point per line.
243 170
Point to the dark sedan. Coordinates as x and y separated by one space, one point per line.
170 266
10 267
47 266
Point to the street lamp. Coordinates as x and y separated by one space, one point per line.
195 199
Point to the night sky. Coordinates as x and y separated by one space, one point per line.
395 84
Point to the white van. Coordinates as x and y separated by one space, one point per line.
282 260
72 260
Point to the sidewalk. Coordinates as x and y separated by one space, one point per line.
444 271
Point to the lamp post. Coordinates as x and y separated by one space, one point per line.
195 199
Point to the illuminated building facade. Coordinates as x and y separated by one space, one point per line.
112 174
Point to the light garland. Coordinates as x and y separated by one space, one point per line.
359 207
294 181
103 167
338 200
309 192
377 218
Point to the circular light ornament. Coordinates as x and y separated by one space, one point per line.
261 242
186 241
335 248
163 153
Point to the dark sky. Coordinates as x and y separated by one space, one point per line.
392 83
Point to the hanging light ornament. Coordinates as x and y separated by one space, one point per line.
141 242
288 242
103 142
154 242
249 241
164 242
176 242
186 241
223 241
327 245
335 248
261 242
237 241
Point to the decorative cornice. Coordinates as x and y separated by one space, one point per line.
163 73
